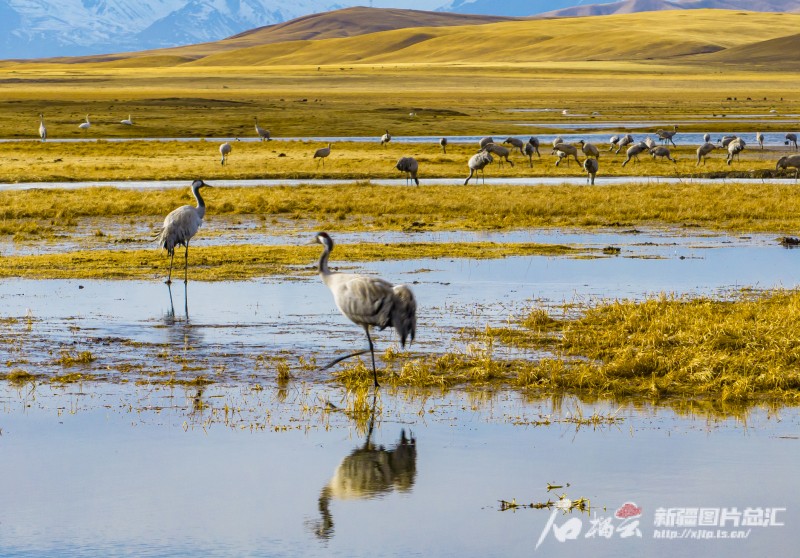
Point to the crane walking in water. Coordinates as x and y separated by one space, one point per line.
368 301
180 226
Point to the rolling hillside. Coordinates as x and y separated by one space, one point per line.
680 35
642 36
348 22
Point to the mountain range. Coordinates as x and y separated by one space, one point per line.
56 28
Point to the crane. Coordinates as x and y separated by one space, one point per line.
180 226
368 301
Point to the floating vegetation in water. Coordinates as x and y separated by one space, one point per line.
563 503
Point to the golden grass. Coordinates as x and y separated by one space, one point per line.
154 160
666 349
737 207
218 263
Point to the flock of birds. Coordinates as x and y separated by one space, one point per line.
489 149
366 300
371 301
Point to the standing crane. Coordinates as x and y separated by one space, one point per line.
791 137
368 301
42 128
443 143
262 133
386 138
180 226
760 139
322 153
225 150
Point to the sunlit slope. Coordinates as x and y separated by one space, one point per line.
659 35
778 54
347 22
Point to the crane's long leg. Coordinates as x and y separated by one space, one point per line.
186 264
372 352
169 276
340 359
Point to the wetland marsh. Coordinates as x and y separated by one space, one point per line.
632 342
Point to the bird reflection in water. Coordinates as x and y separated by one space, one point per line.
169 317
370 471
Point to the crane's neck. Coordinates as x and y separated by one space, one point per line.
323 261
201 205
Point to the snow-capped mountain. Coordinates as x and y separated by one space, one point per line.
41 28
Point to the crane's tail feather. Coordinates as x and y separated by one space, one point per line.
404 314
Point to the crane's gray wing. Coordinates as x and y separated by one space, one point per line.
365 300
179 227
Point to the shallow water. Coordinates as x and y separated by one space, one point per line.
231 324
524 181
106 472
571 133
128 467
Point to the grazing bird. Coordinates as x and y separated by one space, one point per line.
477 162
648 141
633 152
530 149
734 148
501 152
627 139
85 125
591 167
386 138
613 141
568 150
533 141
127 122
225 150
369 301
760 139
557 140
517 143
789 161
42 128
703 151
180 226
707 137
725 140
443 143
589 149
486 141
663 152
322 153
409 166
667 135
261 132
791 138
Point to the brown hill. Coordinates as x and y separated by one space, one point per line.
348 22
778 53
